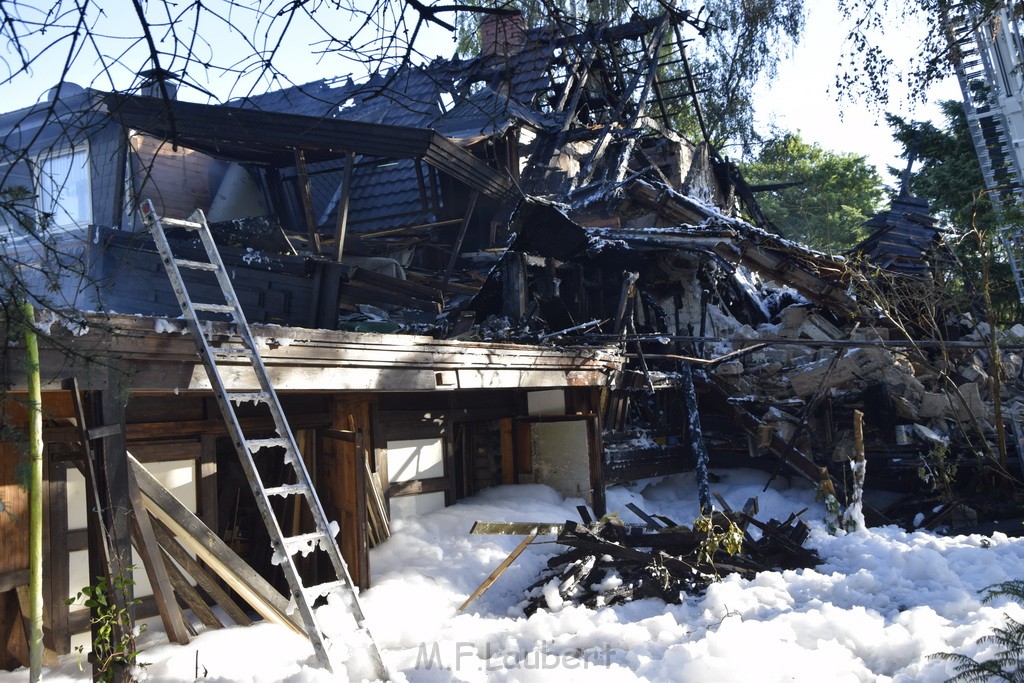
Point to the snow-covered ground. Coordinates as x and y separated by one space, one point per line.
882 601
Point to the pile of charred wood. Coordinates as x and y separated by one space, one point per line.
610 562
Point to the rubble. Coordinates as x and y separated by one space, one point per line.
610 562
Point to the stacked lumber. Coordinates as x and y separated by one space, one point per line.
610 563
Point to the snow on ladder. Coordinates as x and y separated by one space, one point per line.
251 449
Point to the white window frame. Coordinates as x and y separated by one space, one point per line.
63 219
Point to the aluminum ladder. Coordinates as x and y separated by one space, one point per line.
252 449
993 97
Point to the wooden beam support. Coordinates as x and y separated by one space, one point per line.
306 195
203 578
457 247
341 225
190 596
198 538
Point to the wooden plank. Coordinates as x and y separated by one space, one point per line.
418 486
13 633
457 247
337 478
353 292
516 528
103 432
55 572
50 657
167 451
202 577
11 580
306 195
208 480
341 225
395 284
595 454
489 581
198 538
156 570
508 460
159 430
190 596
357 476
56 405
14 521
107 408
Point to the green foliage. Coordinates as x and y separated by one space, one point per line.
937 471
1008 662
836 194
718 533
750 37
114 646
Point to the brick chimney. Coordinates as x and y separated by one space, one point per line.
502 34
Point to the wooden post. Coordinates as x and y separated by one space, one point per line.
700 453
342 220
508 459
306 195
107 408
854 517
596 453
514 287
457 247
35 450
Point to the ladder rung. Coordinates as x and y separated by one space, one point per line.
324 589
214 308
243 396
259 444
194 265
179 223
287 490
294 543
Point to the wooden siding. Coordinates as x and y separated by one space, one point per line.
176 180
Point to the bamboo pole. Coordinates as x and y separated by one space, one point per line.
35 536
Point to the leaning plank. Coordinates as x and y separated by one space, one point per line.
489 581
652 523
515 528
190 596
198 538
152 560
202 577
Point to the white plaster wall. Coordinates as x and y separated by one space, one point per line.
561 457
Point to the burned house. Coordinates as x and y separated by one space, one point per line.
480 271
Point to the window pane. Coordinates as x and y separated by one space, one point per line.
64 190
17 200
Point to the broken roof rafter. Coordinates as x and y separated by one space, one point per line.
259 136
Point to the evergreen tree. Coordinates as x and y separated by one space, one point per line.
834 193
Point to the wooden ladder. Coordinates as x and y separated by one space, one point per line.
251 450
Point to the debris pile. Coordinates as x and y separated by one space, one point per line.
610 562
943 417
